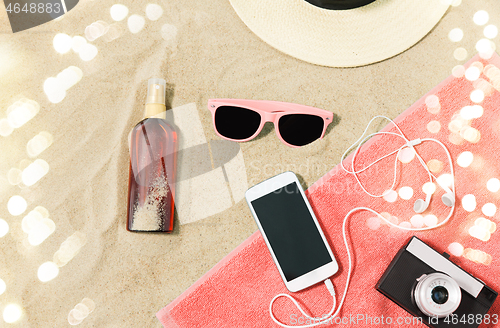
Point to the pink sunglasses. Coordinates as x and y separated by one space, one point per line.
242 120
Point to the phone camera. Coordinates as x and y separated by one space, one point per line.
437 294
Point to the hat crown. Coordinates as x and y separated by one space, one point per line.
339 4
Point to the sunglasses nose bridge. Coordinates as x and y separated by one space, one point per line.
268 116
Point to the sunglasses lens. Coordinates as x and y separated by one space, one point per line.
236 123
300 129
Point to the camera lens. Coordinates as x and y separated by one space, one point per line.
439 294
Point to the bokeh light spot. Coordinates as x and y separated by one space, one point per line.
479 233
43 211
485 46
72 320
14 176
489 209
477 111
460 53
77 43
429 188
477 96
457 122
481 17
81 311
493 185
54 90
38 227
4 228
373 223
69 248
486 224
34 172
386 216
39 143
456 249
456 35
114 32
467 114
96 30
12 313
493 73
445 180
469 203
390 196
432 103
89 304
458 71
472 73
5 128
136 23
91 32
417 221
62 43
465 159
477 256
435 165
88 52
471 134
118 12
17 205
20 112
405 225
406 193
430 220
406 155
433 126
48 271
490 31
479 66
168 32
154 11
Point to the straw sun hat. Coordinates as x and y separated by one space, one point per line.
349 33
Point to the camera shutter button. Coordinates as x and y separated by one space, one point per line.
421 277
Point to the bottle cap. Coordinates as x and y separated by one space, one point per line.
156 91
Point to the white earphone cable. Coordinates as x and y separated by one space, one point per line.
328 317
364 138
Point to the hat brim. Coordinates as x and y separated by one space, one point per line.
341 38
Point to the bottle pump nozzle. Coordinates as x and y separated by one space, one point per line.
156 91
155 101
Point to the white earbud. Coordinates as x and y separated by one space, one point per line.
448 199
421 205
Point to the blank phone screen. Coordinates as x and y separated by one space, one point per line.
291 231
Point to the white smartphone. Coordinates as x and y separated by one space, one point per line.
291 231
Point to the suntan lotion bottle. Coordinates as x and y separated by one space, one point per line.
153 157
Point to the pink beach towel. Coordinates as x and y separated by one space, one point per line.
237 291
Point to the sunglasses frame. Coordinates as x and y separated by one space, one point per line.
269 111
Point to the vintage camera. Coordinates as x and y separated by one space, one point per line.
428 285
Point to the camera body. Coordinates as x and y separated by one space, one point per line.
428 285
